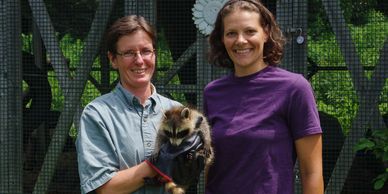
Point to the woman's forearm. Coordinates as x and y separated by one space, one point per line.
128 180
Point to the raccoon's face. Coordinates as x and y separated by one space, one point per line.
176 134
177 125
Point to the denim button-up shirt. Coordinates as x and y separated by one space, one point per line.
117 132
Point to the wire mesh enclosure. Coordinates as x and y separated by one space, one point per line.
54 63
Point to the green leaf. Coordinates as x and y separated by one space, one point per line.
380 180
379 184
364 144
385 156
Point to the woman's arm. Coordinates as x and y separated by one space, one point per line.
128 180
309 153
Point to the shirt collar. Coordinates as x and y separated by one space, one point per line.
129 98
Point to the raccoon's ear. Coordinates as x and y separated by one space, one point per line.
185 113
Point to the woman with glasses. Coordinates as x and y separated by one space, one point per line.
118 129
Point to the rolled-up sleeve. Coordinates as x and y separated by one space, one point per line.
97 161
116 133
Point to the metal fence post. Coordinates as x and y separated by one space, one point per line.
11 167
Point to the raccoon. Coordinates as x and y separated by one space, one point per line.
179 123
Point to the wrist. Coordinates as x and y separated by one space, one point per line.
148 170
158 171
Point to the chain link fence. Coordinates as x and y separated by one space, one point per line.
57 65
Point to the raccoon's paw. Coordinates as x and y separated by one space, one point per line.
173 188
178 190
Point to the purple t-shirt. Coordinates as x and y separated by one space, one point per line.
255 120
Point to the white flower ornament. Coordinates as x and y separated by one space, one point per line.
205 14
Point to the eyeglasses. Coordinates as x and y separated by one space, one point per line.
130 54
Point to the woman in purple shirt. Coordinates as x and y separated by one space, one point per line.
263 117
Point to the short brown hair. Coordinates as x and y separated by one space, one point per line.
125 26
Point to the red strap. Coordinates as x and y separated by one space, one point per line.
164 176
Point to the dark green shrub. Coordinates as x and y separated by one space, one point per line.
377 143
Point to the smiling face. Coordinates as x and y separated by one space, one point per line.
244 40
135 72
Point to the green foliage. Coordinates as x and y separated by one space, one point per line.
334 88
57 95
72 48
165 63
377 143
383 106
369 38
73 132
356 11
318 24
27 41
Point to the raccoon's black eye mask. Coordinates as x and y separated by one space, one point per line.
180 134
183 133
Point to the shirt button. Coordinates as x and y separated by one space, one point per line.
148 144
